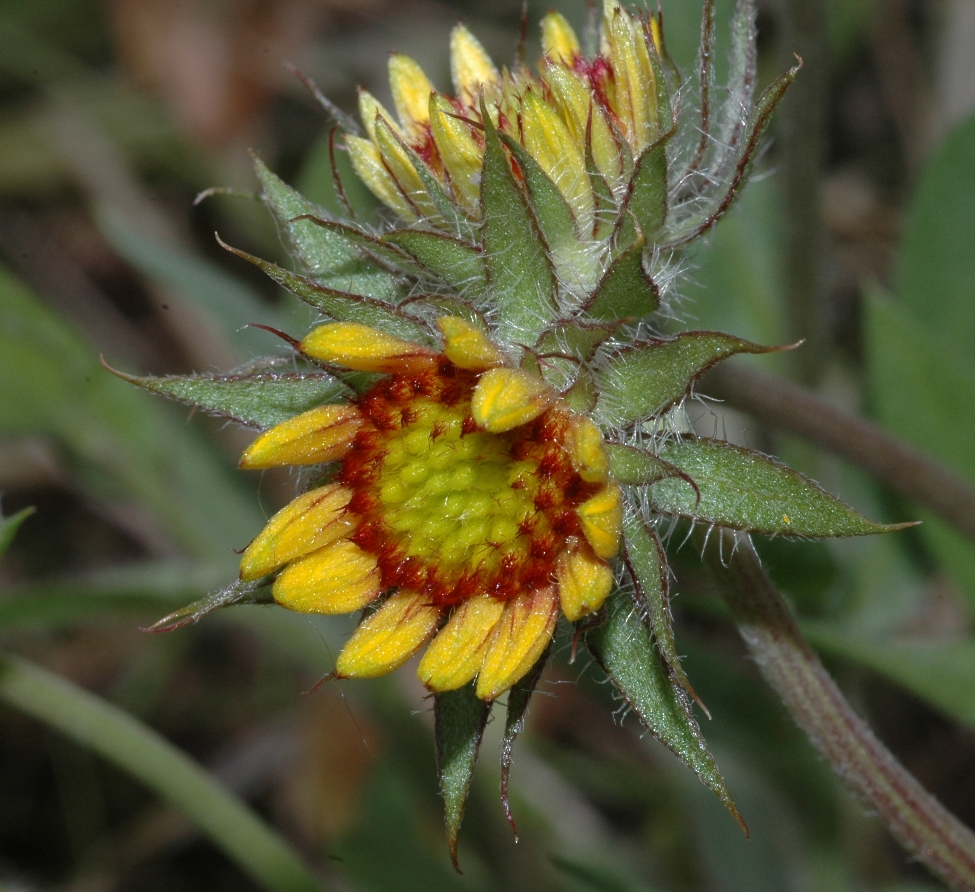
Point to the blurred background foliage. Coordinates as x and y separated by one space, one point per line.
113 116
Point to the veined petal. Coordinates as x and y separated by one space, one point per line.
411 90
602 520
466 346
310 522
635 81
454 657
366 349
585 581
587 451
559 41
520 638
338 578
389 637
401 168
508 398
367 162
574 100
461 154
470 65
550 143
319 435
370 108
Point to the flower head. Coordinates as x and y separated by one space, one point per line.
490 410
468 506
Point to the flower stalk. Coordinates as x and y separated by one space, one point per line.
919 822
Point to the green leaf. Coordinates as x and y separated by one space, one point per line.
746 490
238 592
457 263
645 207
548 204
633 466
519 272
577 339
341 305
940 672
937 262
121 445
926 395
10 525
332 259
647 564
459 718
626 291
622 646
262 400
257 849
514 723
646 379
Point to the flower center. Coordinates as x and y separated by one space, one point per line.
453 511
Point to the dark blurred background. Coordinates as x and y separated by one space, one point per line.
113 116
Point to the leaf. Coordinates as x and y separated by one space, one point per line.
331 259
10 525
937 261
548 204
645 206
132 746
514 723
261 400
340 305
577 339
622 646
459 719
633 466
746 490
647 564
646 379
238 592
626 291
519 272
120 444
457 263
923 393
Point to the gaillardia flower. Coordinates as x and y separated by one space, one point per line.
491 404
464 487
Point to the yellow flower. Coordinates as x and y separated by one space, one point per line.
606 107
468 506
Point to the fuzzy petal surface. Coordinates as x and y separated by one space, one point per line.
508 398
338 578
319 435
602 520
454 657
585 581
466 346
366 349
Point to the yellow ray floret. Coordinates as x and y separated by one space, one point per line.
365 349
470 65
585 581
602 520
389 637
369 167
320 435
338 578
411 90
466 346
559 41
508 398
587 452
310 522
519 639
454 657
461 154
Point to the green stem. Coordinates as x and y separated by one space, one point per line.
890 461
790 666
139 750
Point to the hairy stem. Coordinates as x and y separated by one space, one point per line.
790 666
890 461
